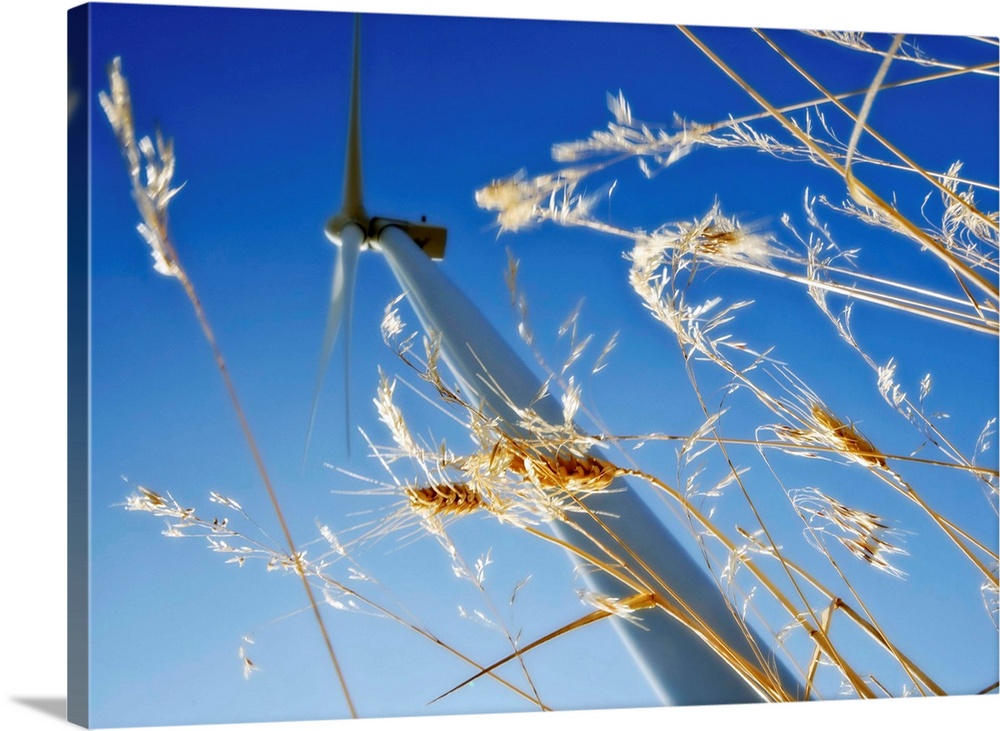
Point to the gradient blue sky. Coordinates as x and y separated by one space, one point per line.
256 103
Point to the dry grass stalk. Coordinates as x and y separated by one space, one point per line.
557 480
858 190
607 607
935 181
152 198
658 274
855 40
242 550
820 425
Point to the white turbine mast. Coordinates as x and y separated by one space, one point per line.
680 665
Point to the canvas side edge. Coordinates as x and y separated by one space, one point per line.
78 367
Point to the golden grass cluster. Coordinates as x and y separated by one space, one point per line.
666 264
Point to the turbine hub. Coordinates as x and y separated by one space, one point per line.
336 224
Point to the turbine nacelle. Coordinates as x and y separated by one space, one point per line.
430 239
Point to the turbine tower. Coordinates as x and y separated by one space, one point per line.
680 665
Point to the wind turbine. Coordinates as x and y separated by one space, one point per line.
680 666
352 231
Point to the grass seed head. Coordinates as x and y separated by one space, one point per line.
514 199
151 184
846 438
565 472
866 535
444 499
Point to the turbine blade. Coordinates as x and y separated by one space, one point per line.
353 208
338 314
350 263
347 229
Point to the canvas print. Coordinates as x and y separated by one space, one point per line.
442 365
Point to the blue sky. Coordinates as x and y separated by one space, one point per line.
256 103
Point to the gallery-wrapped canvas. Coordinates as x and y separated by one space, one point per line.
446 365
